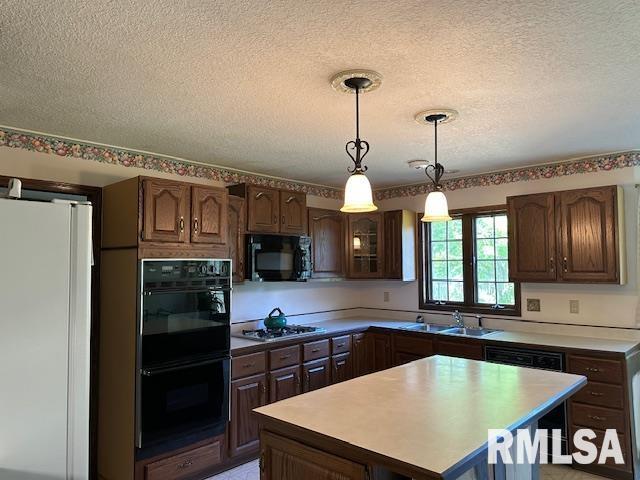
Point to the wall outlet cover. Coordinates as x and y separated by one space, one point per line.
386 296
574 306
533 304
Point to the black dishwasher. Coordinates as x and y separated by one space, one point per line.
544 360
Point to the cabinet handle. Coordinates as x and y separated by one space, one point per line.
283 219
185 464
340 345
565 264
259 194
315 350
181 224
552 264
284 357
290 199
275 219
597 418
596 394
264 388
592 369
195 225
248 365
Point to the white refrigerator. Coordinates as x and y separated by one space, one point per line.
45 305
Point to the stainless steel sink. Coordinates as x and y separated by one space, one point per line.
468 331
427 327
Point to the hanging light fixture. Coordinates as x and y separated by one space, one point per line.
436 208
358 196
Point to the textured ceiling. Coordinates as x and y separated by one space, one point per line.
245 84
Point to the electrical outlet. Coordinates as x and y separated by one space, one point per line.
533 304
386 296
574 306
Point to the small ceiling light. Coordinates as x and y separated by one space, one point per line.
436 208
358 196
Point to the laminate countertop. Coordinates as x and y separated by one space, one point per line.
432 414
335 327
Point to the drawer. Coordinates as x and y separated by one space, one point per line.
420 347
284 357
597 417
247 365
340 344
601 394
314 350
598 443
596 369
187 464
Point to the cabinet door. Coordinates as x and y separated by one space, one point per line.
393 244
588 235
236 221
326 228
532 239
381 343
209 215
263 209
282 458
293 212
316 374
165 211
341 368
365 245
362 353
460 348
246 394
284 383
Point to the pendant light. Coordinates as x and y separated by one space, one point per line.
358 196
436 208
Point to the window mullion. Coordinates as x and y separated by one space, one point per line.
467 256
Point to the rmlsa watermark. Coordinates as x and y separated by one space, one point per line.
531 446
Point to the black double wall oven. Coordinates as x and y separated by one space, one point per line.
182 391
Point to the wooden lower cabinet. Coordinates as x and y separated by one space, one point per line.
341 368
381 345
459 348
246 394
282 458
190 464
362 350
408 348
316 375
284 383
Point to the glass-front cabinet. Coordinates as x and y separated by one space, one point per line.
365 245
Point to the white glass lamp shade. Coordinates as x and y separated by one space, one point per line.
357 195
436 208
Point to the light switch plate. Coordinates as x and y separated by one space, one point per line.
533 304
386 296
574 306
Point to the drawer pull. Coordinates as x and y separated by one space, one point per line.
185 464
593 369
340 345
597 418
284 357
315 350
248 365
596 394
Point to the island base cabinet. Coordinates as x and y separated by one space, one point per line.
281 458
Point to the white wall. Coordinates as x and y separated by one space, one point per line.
600 305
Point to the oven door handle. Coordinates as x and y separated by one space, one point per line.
150 372
160 291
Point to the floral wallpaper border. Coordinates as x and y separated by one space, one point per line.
156 163
592 164
128 158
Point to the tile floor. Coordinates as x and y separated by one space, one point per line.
249 471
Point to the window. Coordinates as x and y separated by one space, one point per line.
465 264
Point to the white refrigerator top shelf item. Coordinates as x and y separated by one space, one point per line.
45 289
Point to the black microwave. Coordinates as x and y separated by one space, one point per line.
278 258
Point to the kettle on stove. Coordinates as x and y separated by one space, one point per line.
275 321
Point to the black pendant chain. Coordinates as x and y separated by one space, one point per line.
436 168
360 146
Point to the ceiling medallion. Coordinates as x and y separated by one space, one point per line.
449 115
339 79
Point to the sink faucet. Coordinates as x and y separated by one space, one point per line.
457 317
479 318
419 319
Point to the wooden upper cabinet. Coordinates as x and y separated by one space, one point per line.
165 211
532 242
326 228
236 221
263 209
400 245
570 236
364 244
293 212
588 234
208 215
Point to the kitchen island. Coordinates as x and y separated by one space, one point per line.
428 419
